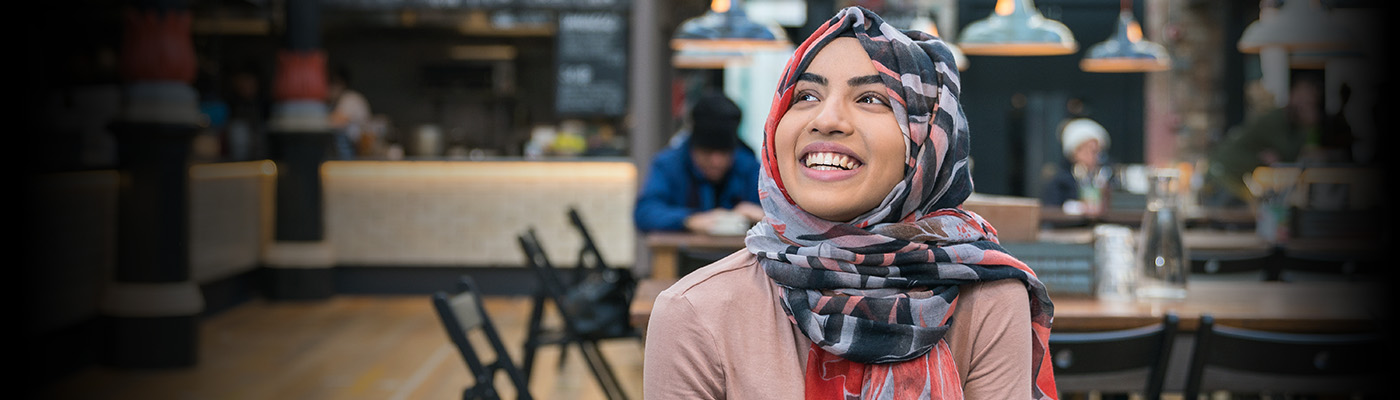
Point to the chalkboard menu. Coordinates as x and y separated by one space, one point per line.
591 64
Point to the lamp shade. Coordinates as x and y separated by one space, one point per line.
1016 28
726 27
722 35
1126 50
923 23
1297 25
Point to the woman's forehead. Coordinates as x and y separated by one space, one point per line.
843 54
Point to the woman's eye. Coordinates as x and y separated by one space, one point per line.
871 99
804 97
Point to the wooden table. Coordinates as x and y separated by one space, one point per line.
1133 217
666 249
1277 306
1280 306
1208 240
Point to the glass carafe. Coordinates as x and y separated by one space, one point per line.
1161 257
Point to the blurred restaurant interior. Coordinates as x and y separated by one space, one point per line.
181 165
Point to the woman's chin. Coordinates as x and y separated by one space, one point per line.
838 208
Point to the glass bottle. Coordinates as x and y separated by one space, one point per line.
1161 257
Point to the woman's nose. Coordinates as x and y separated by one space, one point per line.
833 118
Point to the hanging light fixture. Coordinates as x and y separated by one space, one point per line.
925 24
1354 47
1016 28
1126 50
1297 25
722 34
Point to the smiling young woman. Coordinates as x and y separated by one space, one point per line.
865 278
838 146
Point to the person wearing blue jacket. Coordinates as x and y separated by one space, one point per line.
707 180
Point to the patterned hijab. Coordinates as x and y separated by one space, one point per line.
875 294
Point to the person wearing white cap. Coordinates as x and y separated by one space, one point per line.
1080 185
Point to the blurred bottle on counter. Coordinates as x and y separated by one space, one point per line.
371 142
427 141
541 138
570 140
1161 256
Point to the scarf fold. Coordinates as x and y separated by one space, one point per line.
875 294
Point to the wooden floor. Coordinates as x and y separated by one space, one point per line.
347 347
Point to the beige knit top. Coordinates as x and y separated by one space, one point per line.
720 333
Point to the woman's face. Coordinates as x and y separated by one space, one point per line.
839 149
1087 154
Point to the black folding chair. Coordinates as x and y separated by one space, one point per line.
1083 361
461 313
1286 363
555 291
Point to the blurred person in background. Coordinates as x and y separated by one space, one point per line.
707 181
350 113
1082 181
245 133
1335 144
1277 135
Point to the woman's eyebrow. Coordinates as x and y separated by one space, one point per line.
814 78
864 80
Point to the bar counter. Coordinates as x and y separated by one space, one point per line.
467 213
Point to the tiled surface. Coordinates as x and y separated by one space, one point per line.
231 211
428 213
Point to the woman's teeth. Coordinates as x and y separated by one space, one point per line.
830 161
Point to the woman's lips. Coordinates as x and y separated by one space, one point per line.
827 162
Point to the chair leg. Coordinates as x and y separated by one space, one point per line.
601 370
532 337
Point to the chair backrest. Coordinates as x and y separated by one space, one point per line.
588 254
1324 363
538 261
1088 353
461 313
595 307
554 287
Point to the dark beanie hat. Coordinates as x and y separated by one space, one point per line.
715 122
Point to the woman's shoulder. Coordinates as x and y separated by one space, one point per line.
995 294
736 275
991 305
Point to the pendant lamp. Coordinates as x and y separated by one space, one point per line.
1297 25
1126 50
925 24
722 34
1016 28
